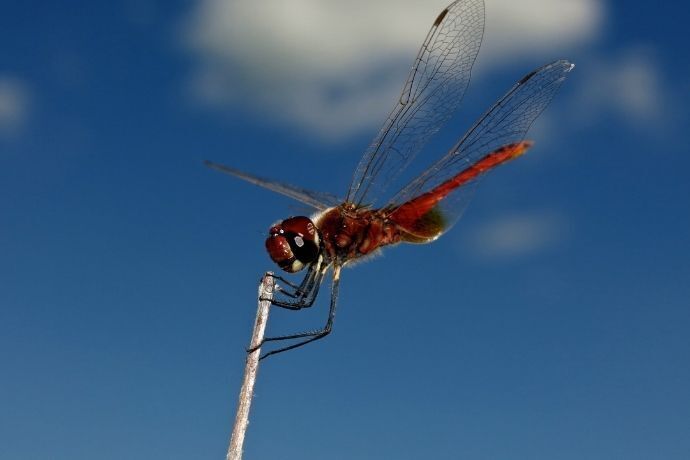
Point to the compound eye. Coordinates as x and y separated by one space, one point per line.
293 243
299 225
300 233
280 252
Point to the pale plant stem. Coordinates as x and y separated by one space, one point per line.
250 369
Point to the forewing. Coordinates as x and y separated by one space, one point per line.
317 200
505 123
432 92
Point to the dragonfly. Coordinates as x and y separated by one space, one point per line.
343 231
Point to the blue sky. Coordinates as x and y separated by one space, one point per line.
551 322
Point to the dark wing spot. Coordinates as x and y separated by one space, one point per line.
440 17
526 77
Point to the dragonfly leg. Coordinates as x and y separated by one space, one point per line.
299 292
305 293
311 336
286 281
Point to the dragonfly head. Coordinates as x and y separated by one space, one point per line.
293 243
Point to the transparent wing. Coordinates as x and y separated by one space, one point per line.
505 124
317 200
432 92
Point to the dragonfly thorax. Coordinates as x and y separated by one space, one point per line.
349 232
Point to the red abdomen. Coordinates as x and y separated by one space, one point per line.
421 220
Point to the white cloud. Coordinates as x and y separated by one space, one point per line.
539 27
14 105
517 235
333 68
628 86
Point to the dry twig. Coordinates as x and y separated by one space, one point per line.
250 369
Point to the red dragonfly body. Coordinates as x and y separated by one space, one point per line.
346 230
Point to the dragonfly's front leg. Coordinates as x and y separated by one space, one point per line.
302 296
306 284
311 336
